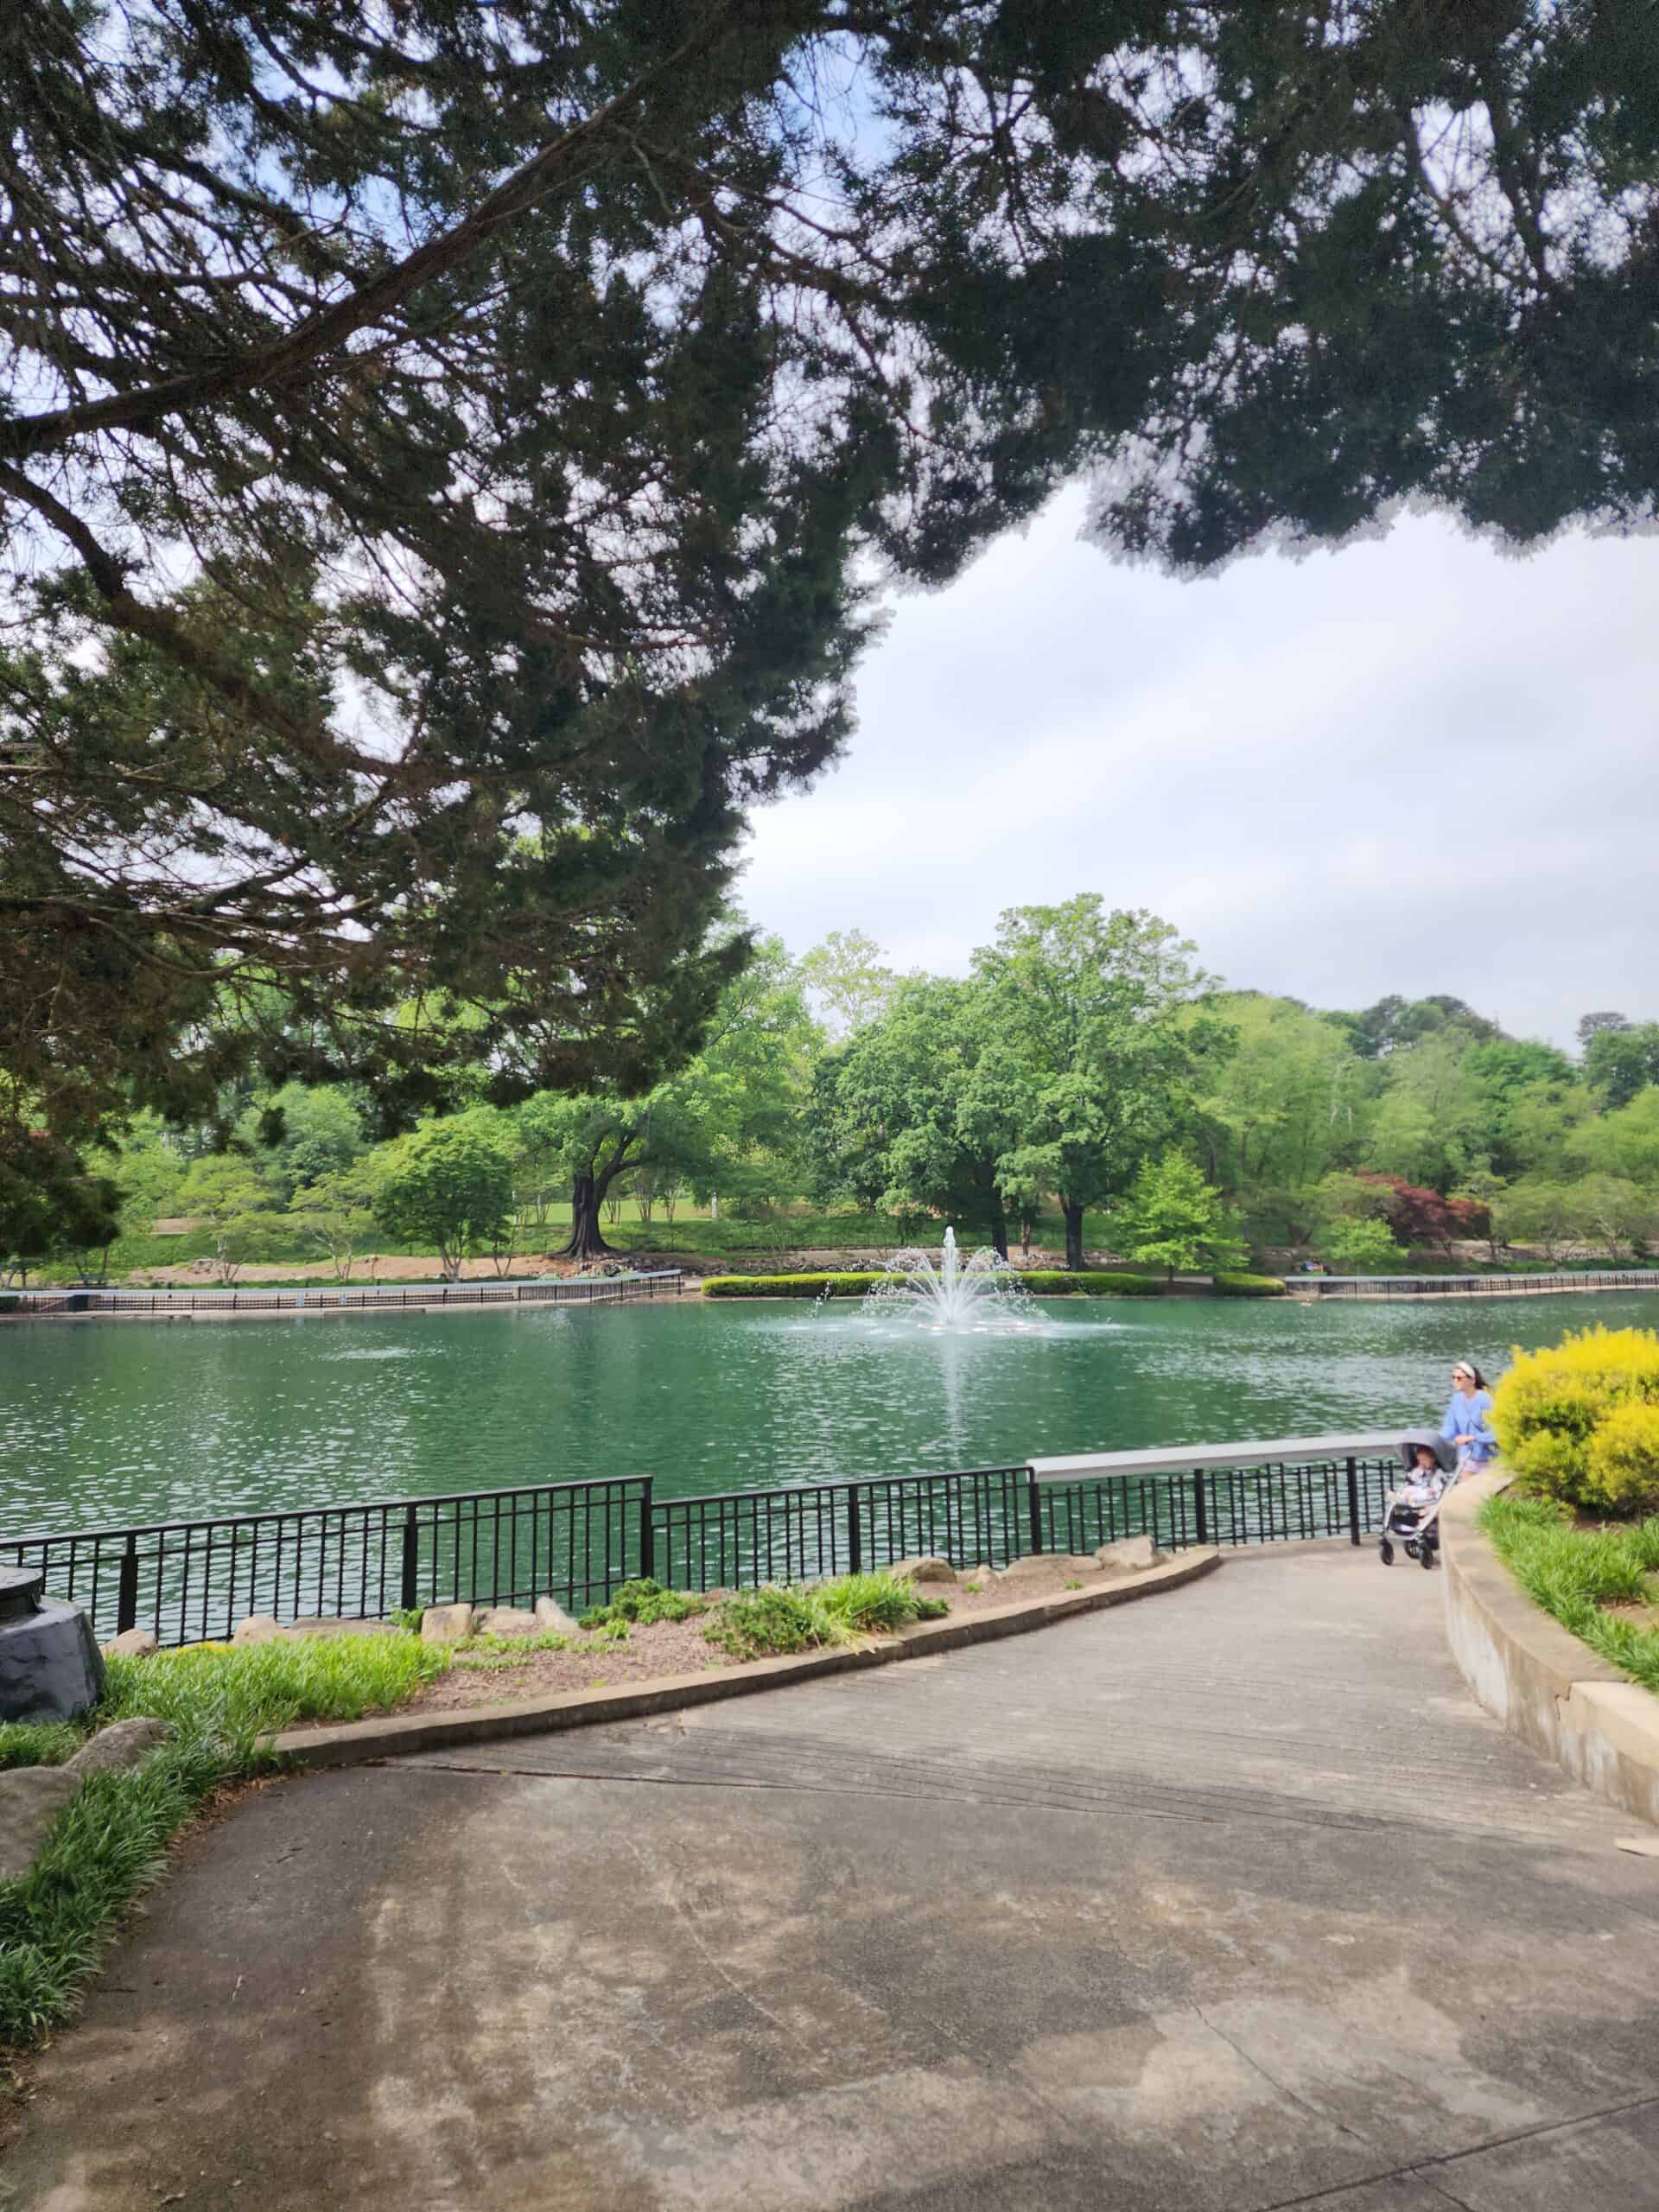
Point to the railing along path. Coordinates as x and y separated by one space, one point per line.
561 1290
192 1581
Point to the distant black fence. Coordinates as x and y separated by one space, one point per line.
1516 1286
567 1290
191 1582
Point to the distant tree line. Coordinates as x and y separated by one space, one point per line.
1086 1080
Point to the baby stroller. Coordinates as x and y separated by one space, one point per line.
1413 1520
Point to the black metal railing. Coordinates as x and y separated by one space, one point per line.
1515 1286
570 1290
191 1582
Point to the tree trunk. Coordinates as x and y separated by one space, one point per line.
1073 1214
585 1242
999 1230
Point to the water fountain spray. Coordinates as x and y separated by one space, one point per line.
984 1292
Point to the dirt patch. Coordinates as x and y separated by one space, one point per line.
486 1677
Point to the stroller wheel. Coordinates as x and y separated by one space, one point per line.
1426 1557
1387 1552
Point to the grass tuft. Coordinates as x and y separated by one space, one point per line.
38 1743
771 1623
641 1604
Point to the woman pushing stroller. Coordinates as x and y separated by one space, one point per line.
1467 1425
1463 1445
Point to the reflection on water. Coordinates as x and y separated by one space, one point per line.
103 1425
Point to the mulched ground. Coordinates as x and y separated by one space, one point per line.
680 1648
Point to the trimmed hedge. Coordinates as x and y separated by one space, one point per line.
1057 1282
1044 1282
1230 1284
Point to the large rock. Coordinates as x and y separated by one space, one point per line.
318 1624
51 1668
923 1570
132 1643
1129 1555
446 1624
124 1743
551 1619
258 1628
31 1797
504 1620
1035 1563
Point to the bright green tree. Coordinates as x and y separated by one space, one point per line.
1289 1104
1175 1220
847 982
1361 1246
1091 1014
917 1114
303 1134
446 1186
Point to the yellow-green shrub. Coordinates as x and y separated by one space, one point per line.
1580 1421
1623 1458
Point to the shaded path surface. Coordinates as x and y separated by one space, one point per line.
1233 1899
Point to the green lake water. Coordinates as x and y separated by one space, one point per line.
107 1425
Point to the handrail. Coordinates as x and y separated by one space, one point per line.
1187 1458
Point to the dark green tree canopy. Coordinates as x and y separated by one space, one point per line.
442 443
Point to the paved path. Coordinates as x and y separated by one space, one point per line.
1228 1900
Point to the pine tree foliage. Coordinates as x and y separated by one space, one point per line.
445 448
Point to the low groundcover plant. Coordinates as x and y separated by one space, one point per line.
111 1838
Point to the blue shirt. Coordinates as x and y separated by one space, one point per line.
1466 1417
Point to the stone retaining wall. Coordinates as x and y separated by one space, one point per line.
1546 1686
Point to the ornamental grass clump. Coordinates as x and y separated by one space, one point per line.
771 1623
641 1604
1579 1421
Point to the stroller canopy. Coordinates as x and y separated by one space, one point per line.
1435 1442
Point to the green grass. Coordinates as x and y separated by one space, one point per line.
110 1840
38 1743
771 1623
1575 1573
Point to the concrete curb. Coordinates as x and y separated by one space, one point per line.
356 1741
1530 1673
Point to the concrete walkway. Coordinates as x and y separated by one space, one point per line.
1229 1900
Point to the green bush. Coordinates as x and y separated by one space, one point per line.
1230 1284
814 1286
1580 1421
1060 1282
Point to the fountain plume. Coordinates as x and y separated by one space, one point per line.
981 1293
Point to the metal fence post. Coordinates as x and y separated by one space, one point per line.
1201 1512
126 1589
1036 1503
647 1535
409 1580
1353 1503
854 1533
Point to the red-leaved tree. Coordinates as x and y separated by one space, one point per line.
1418 1215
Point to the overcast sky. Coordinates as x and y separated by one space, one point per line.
1410 766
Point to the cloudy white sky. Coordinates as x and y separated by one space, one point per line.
1410 766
